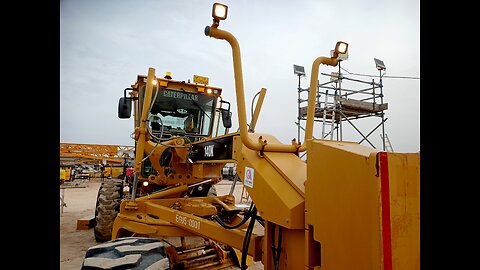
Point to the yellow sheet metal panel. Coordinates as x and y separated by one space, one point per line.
275 197
113 172
62 174
198 170
404 179
364 206
67 173
292 254
343 204
292 168
289 165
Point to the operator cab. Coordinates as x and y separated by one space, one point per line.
178 108
175 112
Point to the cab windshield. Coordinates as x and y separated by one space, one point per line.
180 112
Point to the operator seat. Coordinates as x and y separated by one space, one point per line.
189 125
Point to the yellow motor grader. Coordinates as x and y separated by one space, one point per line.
346 207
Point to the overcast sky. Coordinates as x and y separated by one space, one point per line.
106 43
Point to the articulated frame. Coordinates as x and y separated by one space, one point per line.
157 216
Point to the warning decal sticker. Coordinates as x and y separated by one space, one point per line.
249 172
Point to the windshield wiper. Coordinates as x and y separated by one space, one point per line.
196 104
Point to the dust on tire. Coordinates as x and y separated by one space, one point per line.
107 207
127 253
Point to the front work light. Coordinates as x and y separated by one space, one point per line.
219 11
340 48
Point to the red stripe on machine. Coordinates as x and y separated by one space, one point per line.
386 226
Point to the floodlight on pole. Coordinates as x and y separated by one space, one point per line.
379 64
298 70
381 67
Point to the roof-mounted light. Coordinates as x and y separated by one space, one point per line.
340 48
219 12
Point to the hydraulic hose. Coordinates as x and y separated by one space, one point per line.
246 240
246 216
276 250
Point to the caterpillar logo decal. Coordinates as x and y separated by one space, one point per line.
180 95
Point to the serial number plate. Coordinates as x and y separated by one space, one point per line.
195 224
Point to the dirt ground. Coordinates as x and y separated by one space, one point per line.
80 198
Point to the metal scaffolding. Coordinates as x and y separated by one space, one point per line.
336 104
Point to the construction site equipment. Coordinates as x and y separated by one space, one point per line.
81 153
347 207
113 172
85 161
229 171
62 175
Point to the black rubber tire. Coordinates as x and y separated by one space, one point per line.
107 207
127 253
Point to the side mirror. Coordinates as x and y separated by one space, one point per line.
227 118
124 108
226 115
